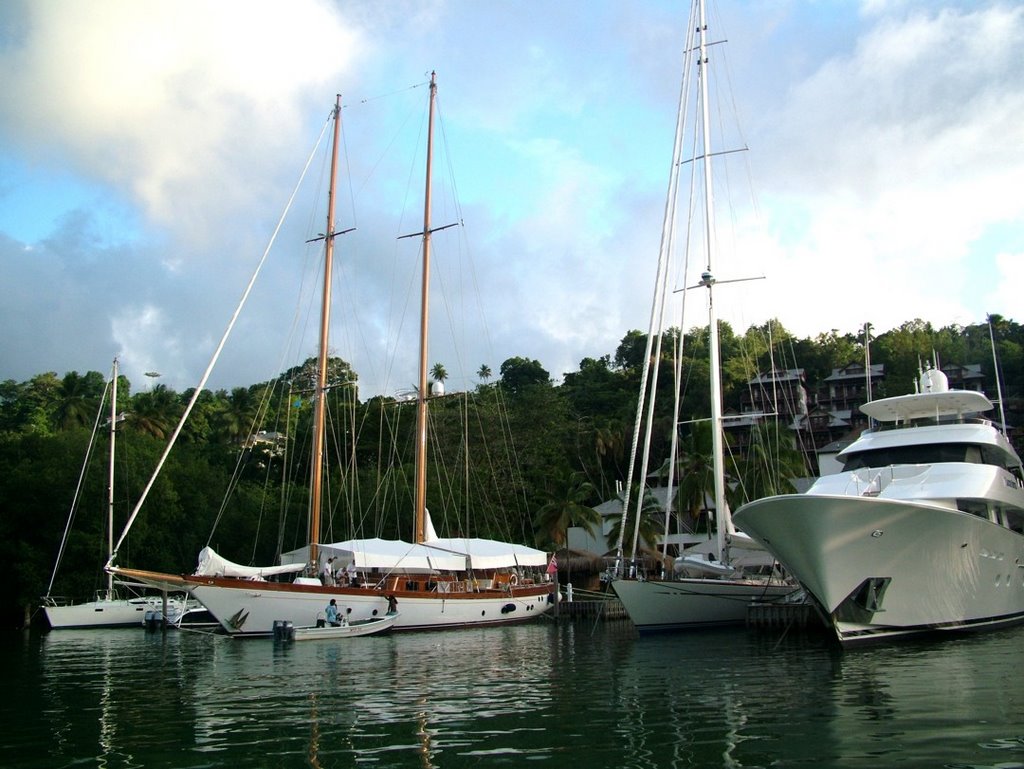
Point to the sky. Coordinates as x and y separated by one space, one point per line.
149 149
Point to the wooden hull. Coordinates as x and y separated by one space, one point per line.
251 607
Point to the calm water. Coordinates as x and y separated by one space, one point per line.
539 695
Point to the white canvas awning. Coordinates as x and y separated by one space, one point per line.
387 554
490 553
213 565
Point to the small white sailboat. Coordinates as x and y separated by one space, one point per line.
109 608
922 530
438 583
723 586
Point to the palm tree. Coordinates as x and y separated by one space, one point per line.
77 399
566 506
610 445
696 470
155 412
236 414
484 372
770 464
649 532
439 373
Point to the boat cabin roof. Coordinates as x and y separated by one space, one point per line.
904 408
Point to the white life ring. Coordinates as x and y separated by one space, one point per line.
513 580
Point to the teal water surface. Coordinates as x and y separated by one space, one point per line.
546 694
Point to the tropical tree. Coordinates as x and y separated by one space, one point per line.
154 412
769 466
609 436
519 374
631 350
236 414
696 469
484 372
77 400
566 506
649 529
439 373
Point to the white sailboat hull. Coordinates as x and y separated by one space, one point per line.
102 613
886 567
692 604
251 608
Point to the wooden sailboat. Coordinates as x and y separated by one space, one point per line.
434 583
109 608
721 594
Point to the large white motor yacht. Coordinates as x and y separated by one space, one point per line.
922 529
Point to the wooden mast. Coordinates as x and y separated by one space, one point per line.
320 390
420 502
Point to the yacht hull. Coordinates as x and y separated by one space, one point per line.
692 604
250 608
127 612
884 568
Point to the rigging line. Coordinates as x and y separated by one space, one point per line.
368 99
266 480
293 333
285 469
995 365
656 310
456 200
216 355
78 488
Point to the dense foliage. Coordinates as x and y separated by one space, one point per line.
519 458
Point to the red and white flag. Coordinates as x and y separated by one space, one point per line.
552 565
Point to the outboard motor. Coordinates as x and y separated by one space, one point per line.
284 630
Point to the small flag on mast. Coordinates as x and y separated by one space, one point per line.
552 565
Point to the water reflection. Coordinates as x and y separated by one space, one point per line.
541 693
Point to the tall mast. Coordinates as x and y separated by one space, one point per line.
420 509
867 362
320 391
110 477
722 517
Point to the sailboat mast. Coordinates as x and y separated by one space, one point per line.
419 529
110 477
722 519
320 391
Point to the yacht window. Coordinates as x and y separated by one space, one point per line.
915 455
1015 520
973 507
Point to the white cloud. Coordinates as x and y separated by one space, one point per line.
172 102
1004 297
896 161
885 172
